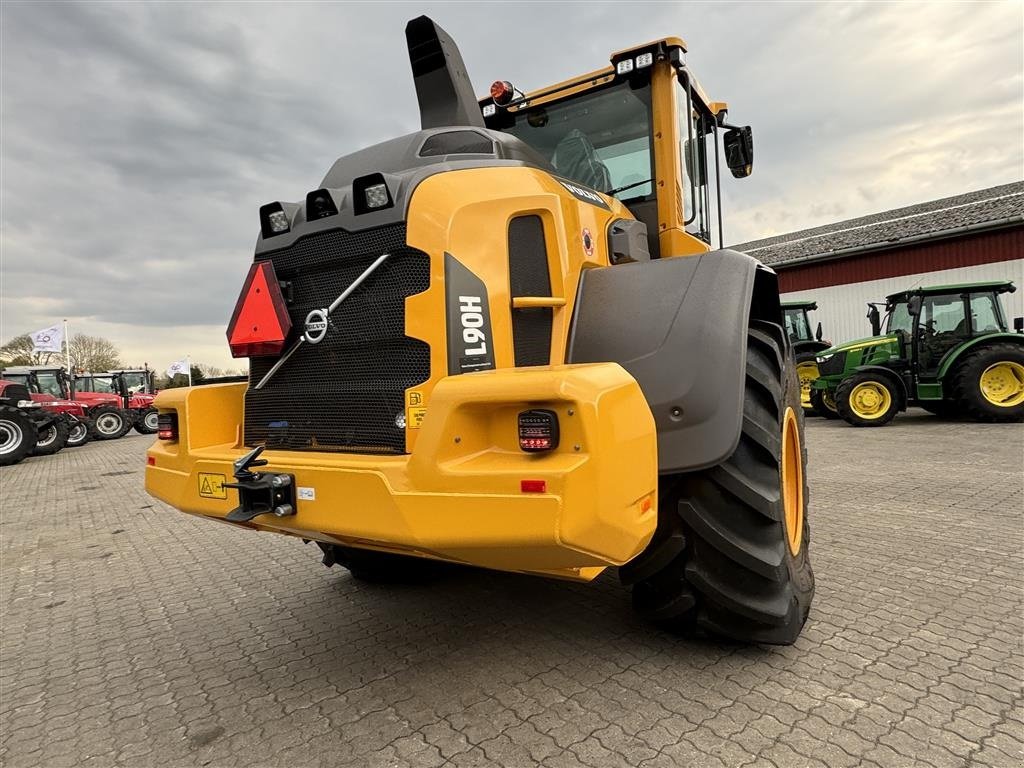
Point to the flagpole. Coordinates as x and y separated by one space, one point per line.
67 346
188 366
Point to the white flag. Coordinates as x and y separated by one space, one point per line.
179 366
48 339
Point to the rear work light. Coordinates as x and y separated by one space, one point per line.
260 323
538 430
167 426
273 220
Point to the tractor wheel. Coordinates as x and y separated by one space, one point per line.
806 371
79 434
823 404
380 567
17 435
51 438
988 385
148 422
730 554
867 400
109 422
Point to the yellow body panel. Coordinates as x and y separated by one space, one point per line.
457 496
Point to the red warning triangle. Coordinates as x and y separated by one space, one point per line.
260 322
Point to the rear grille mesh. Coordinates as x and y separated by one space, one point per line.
344 393
528 276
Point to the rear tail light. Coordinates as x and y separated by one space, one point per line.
260 323
167 426
538 430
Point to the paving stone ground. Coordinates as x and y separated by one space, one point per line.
135 635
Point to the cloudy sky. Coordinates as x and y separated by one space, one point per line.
137 140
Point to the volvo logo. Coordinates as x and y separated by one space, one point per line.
316 326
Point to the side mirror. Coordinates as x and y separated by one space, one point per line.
914 306
875 319
818 334
1018 324
739 151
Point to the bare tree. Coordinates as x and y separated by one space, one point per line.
18 351
94 353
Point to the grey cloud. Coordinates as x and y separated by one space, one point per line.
140 139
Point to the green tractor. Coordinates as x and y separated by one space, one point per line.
806 348
945 349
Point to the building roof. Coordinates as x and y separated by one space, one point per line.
983 209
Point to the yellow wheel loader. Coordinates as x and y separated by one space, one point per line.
505 341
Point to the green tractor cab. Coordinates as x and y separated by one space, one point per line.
805 347
946 349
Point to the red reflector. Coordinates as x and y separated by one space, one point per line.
646 504
260 322
501 92
151 461
533 486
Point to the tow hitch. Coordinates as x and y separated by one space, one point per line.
260 493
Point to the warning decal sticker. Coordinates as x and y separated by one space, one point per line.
211 486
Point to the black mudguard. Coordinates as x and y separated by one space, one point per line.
679 326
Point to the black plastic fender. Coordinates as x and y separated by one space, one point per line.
891 375
679 326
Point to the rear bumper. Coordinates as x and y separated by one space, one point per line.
458 495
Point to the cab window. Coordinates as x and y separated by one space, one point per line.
797 327
986 316
49 385
944 314
693 166
899 319
601 139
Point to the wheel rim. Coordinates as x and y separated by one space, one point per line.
10 436
152 421
870 400
108 424
792 482
807 372
47 437
1002 384
828 400
78 433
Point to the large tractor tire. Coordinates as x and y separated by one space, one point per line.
380 567
79 433
109 423
52 438
730 554
807 371
988 384
867 400
823 404
148 422
17 435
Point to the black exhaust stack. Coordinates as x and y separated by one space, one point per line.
443 88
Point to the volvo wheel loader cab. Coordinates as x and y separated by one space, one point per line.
504 340
946 349
805 348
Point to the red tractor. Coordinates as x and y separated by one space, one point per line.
133 387
48 383
37 425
